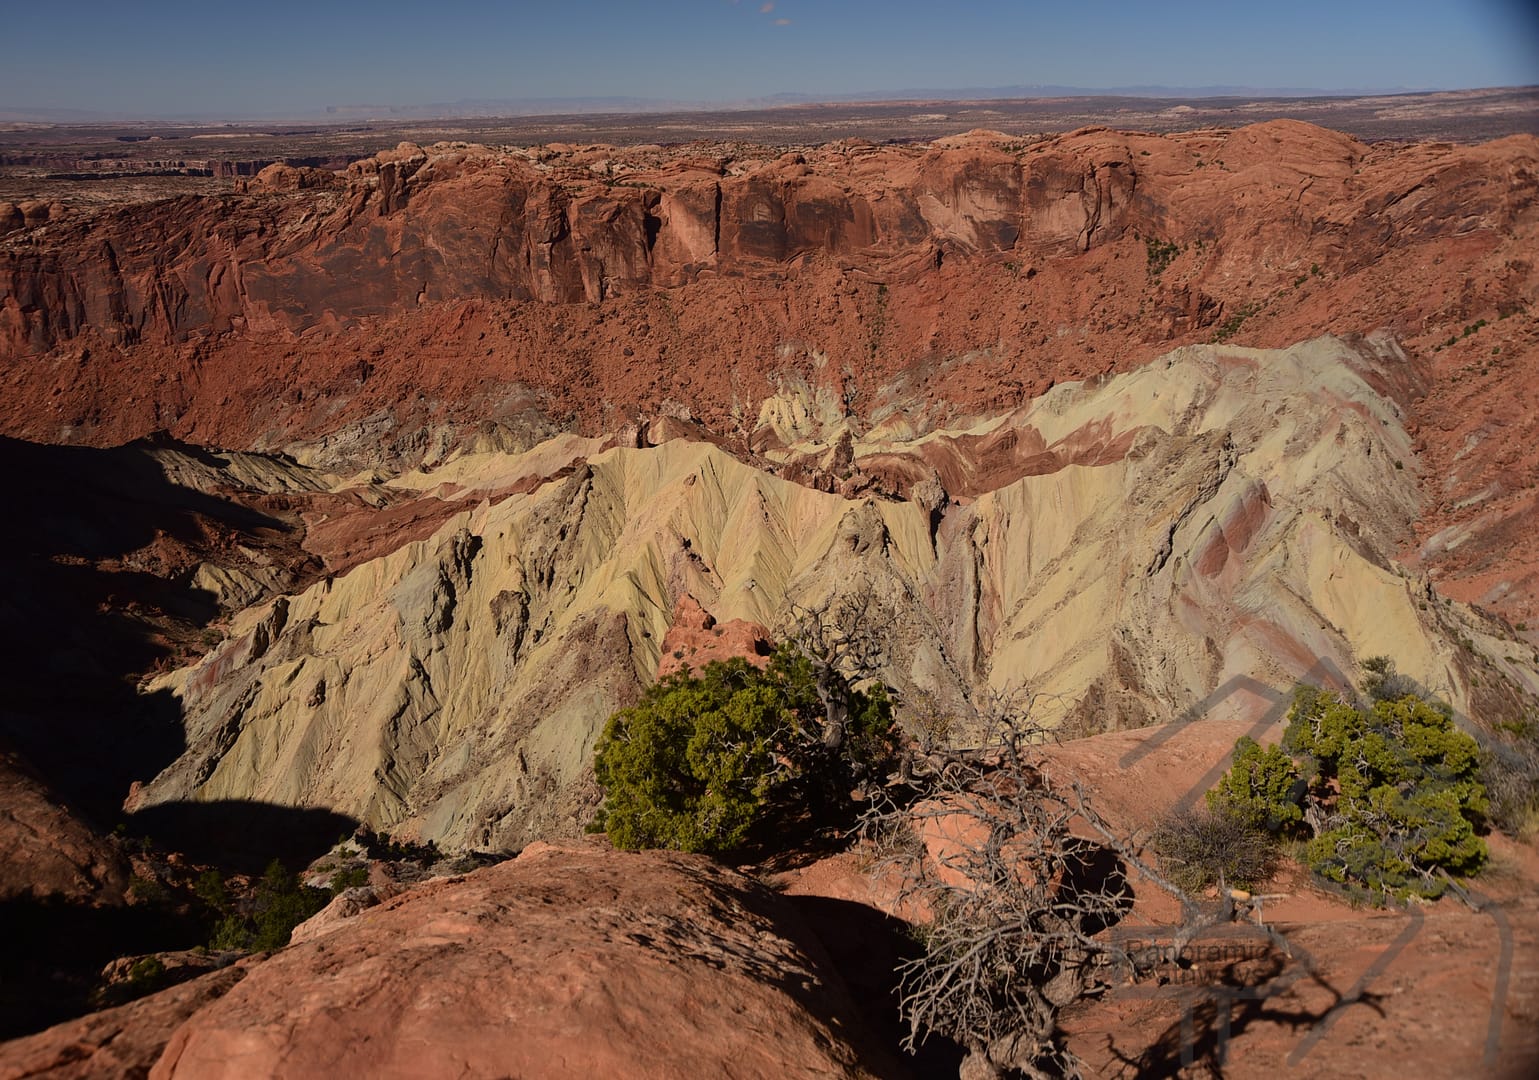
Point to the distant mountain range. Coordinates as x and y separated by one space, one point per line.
1040 90
556 106
544 106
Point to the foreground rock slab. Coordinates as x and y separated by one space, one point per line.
575 961
122 1042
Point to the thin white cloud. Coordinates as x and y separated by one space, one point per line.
782 22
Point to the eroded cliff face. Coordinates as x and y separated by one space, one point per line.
463 284
434 299
411 227
1119 548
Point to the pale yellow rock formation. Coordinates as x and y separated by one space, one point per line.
1235 513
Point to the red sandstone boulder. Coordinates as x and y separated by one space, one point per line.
35 212
696 638
279 177
570 962
120 1042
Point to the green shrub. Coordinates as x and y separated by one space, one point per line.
211 890
278 904
1393 845
1263 789
1231 326
145 975
1390 791
351 878
1405 746
149 890
1160 254
701 762
147 969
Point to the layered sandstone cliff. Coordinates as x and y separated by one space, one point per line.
469 283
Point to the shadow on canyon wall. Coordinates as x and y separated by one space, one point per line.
52 951
96 564
96 567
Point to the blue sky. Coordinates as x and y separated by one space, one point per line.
279 57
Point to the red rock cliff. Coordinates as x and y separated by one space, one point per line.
590 286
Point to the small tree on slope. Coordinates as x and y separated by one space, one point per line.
704 762
1388 792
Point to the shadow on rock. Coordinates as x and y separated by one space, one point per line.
53 952
96 569
242 837
866 946
1222 1011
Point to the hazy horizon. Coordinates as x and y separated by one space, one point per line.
174 58
534 107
